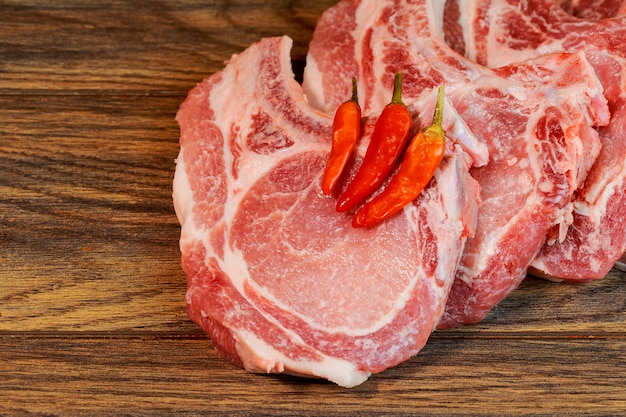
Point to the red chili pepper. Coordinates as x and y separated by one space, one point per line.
346 131
388 139
423 156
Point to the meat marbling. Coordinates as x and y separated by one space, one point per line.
535 117
593 9
278 279
593 236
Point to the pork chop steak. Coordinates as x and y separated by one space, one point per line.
536 119
279 280
593 237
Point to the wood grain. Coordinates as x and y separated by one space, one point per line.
89 211
92 296
139 46
151 374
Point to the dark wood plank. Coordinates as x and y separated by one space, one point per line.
148 376
541 306
88 231
138 46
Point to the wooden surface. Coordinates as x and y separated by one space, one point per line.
92 296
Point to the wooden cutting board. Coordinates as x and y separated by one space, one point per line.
92 296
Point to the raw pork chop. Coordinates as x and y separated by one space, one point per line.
535 118
508 32
279 280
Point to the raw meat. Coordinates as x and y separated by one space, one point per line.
593 9
279 280
506 32
535 118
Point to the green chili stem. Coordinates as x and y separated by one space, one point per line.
396 98
355 96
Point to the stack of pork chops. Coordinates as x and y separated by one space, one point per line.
532 179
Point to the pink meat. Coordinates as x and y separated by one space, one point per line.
534 117
278 279
514 30
593 9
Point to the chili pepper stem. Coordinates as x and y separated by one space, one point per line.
438 115
435 129
355 96
396 97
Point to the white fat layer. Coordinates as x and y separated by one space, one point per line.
461 133
456 200
598 194
536 269
466 19
183 205
181 191
435 16
311 83
366 15
452 192
259 357
564 220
